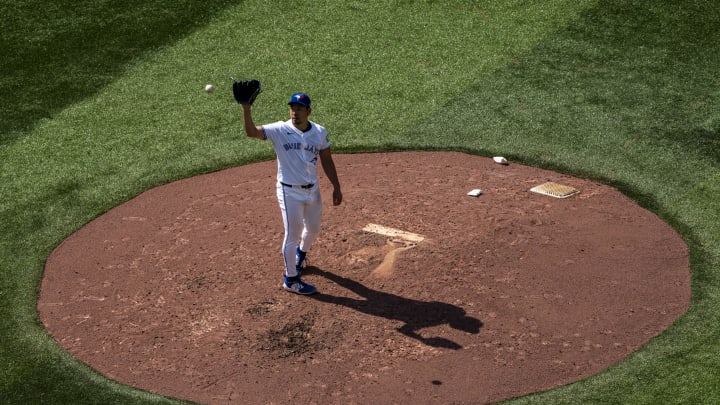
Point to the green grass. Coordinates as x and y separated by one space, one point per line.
56 53
102 100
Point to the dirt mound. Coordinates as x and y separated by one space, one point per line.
177 291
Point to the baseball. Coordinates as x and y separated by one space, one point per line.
209 88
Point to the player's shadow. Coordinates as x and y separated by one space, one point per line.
415 314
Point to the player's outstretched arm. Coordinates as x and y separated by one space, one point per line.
251 129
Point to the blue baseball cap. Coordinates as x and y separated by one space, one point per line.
300 98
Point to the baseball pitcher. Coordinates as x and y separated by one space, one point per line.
298 144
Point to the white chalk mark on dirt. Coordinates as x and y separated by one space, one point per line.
400 241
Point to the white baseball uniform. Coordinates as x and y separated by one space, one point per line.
298 191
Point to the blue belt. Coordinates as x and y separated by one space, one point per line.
298 186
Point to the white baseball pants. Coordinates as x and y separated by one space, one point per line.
302 213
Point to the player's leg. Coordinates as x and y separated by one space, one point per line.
292 214
312 219
292 206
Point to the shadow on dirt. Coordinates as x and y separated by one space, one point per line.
416 314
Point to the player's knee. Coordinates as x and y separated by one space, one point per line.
313 230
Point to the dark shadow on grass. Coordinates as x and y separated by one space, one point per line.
416 314
55 54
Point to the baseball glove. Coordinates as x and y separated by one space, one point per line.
245 91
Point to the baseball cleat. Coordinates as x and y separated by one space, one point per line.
297 286
299 260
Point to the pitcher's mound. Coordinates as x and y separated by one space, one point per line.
495 296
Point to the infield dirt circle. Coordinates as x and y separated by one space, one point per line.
481 299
